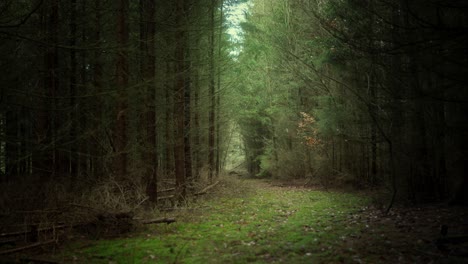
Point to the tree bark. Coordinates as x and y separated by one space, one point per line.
97 161
120 134
147 42
73 82
179 104
212 98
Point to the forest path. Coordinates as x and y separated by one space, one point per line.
248 220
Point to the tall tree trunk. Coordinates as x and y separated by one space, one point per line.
43 159
82 119
211 96
97 162
218 94
196 115
120 134
169 124
147 45
373 130
179 104
73 82
187 98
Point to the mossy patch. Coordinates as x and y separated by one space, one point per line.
264 224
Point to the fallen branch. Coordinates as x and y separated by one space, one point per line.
204 191
9 251
165 197
12 234
166 190
158 221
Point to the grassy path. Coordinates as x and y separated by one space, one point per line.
252 221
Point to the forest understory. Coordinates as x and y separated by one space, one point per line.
243 220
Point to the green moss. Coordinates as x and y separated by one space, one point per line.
266 225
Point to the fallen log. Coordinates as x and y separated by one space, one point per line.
14 250
206 189
158 221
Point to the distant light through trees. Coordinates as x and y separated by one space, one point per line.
235 16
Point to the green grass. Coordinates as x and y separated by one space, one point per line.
263 225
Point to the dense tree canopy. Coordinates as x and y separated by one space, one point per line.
125 91
156 94
364 92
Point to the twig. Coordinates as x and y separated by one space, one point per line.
140 203
166 190
207 188
165 197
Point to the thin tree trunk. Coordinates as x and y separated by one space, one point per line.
169 142
196 117
43 159
211 95
179 105
120 134
187 97
218 95
97 162
82 119
147 38
73 81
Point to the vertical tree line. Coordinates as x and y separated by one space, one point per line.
368 93
110 90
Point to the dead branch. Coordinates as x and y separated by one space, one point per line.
9 251
165 197
140 203
166 190
204 191
158 221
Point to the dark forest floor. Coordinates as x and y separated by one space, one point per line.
246 220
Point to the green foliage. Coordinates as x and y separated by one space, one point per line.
267 164
331 115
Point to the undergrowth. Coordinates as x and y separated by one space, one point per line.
246 221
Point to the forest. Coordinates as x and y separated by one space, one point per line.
124 117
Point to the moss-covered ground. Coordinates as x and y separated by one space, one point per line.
252 221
